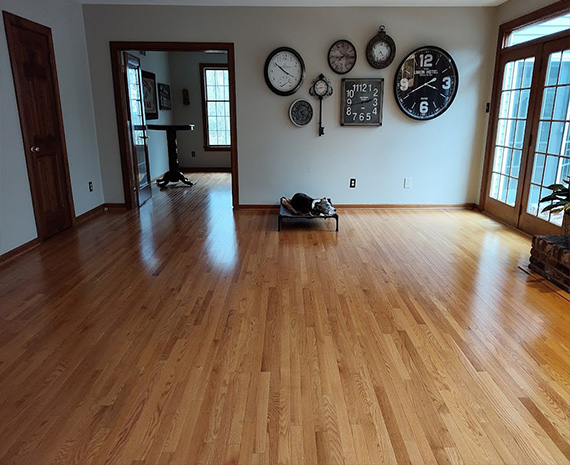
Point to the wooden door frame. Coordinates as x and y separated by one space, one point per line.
542 14
11 20
121 111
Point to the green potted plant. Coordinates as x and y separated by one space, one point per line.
560 201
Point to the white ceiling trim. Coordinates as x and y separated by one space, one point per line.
306 3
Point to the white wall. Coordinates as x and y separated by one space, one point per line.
185 74
516 8
443 156
64 17
159 64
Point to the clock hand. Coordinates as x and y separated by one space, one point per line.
360 103
283 69
423 85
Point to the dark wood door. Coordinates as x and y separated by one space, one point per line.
37 93
137 129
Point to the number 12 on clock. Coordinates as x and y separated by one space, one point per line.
362 102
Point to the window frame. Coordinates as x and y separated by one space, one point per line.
505 29
203 68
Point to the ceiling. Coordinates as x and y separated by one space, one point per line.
309 3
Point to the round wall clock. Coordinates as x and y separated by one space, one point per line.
342 56
381 49
300 113
284 71
426 83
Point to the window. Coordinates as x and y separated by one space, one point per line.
216 101
537 30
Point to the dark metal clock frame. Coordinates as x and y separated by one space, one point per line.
266 70
361 102
437 77
331 64
382 36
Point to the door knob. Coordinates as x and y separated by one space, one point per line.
33 148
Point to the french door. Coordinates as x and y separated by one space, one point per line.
530 134
137 128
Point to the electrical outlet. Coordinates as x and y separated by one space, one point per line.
407 183
90 186
352 184
193 153
488 107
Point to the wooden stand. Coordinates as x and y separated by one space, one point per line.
174 174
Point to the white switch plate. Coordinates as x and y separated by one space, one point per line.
407 183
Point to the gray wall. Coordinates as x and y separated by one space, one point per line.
443 156
185 74
64 17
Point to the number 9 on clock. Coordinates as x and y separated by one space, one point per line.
361 102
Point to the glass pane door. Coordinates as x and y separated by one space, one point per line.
511 127
551 160
510 134
138 130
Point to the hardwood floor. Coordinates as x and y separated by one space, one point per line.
186 333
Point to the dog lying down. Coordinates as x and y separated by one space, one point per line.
302 204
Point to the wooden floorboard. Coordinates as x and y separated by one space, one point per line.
186 333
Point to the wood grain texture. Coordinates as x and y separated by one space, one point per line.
188 333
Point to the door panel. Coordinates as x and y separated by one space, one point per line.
35 80
511 133
137 129
551 150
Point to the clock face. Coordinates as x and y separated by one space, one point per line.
381 50
426 83
362 102
300 112
342 56
321 87
284 71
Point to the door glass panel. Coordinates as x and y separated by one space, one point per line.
511 128
137 125
541 29
552 156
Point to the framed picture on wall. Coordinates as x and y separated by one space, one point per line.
164 97
149 95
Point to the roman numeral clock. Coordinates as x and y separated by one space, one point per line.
426 83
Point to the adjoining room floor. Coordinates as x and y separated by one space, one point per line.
187 333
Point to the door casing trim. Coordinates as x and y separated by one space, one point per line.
121 111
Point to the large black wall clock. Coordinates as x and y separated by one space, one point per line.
284 71
426 83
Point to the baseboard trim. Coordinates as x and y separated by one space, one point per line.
387 206
89 214
205 170
14 253
258 207
114 206
461 206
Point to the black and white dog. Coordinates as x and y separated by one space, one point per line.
307 205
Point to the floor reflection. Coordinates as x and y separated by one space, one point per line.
221 243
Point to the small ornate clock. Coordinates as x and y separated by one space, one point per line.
321 89
381 49
362 102
284 71
426 83
300 113
342 56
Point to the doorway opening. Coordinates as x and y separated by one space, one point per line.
177 102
